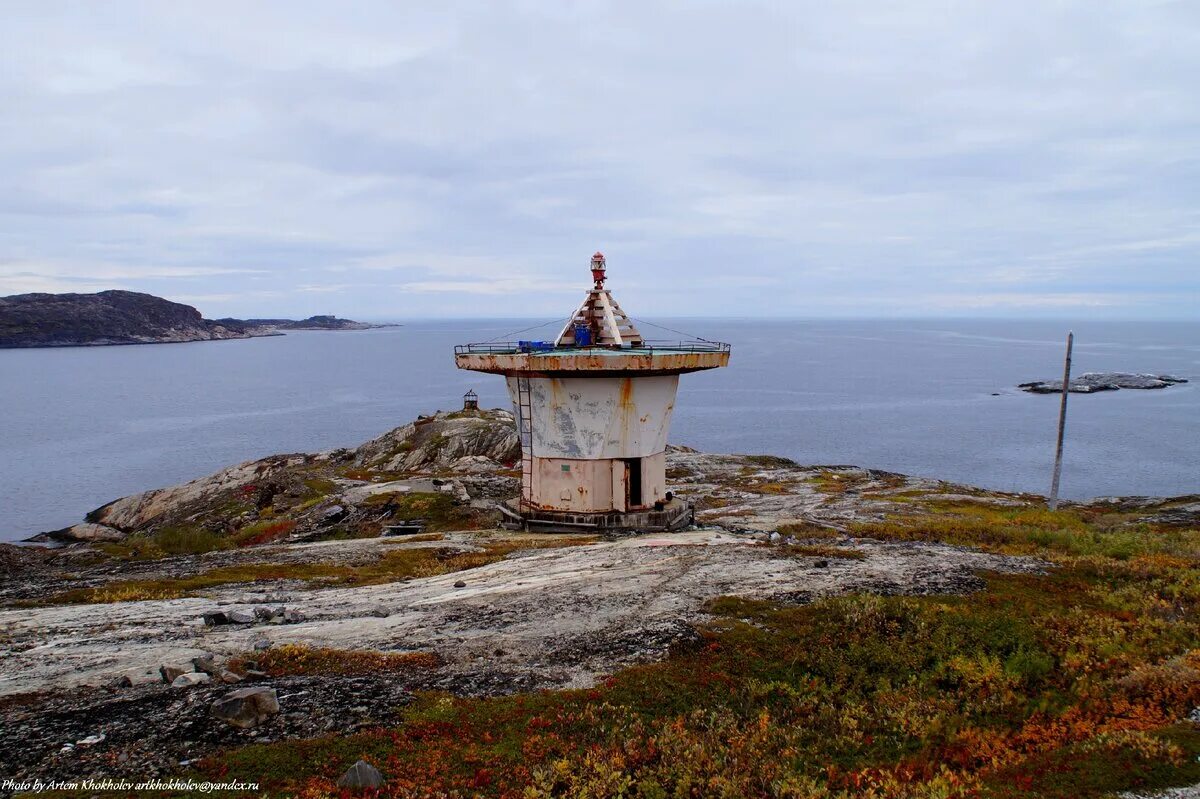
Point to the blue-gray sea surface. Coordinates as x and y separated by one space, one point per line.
82 426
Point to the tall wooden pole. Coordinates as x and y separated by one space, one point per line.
1062 423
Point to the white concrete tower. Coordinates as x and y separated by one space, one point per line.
593 411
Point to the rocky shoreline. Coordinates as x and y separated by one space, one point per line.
126 317
278 590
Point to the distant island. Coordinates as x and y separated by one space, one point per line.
130 317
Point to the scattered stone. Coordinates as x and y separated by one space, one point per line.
242 616
361 775
380 612
460 584
190 679
255 674
292 616
246 707
124 681
170 672
213 618
91 740
260 644
228 677
332 514
821 563
206 663
775 538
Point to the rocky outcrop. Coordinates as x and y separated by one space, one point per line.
88 531
130 317
441 440
138 510
1091 382
109 317
308 494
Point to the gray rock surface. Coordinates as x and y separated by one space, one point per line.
1185 792
563 616
87 531
441 440
138 510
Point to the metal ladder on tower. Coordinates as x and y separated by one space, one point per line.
525 434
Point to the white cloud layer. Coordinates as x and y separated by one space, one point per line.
382 161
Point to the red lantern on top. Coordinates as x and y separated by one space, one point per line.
598 269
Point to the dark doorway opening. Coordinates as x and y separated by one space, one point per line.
633 482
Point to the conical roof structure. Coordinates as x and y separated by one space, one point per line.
601 316
599 339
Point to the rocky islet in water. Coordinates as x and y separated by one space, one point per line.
1092 382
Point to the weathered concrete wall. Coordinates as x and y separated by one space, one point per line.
593 486
599 417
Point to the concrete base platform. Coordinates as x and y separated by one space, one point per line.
675 515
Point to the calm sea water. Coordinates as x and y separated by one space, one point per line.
82 426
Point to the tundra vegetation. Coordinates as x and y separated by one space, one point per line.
1076 682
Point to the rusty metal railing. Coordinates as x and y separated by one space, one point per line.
514 347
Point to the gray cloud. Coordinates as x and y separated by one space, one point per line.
373 160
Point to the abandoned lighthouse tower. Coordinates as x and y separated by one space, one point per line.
593 409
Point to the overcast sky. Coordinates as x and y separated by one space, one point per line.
792 159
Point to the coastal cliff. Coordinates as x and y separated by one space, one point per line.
128 317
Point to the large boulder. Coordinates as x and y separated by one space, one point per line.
246 707
189 679
172 671
361 775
